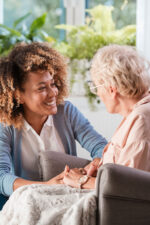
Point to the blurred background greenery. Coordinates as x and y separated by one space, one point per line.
13 9
124 12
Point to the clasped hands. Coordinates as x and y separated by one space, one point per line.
71 177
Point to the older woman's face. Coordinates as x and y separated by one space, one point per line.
107 96
39 95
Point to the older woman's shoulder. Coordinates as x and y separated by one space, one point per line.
142 110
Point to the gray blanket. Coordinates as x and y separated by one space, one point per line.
49 205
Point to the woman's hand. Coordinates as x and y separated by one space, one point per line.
92 168
56 180
72 177
19 182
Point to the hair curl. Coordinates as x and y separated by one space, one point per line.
122 67
14 69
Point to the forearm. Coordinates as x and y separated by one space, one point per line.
19 182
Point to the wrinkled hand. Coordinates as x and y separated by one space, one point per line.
71 176
92 168
56 180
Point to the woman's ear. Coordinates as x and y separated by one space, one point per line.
113 92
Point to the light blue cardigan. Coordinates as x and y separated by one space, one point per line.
70 124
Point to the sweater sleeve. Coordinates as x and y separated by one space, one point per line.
83 131
7 176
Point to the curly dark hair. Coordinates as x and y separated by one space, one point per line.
14 69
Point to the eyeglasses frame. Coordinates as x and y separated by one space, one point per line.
94 87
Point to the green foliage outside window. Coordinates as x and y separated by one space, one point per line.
20 32
99 30
124 12
14 9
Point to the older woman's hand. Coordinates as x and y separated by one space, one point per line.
73 176
92 168
56 180
59 179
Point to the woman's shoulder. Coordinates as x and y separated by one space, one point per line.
67 106
5 127
142 112
139 122
8 130
142 108
69 111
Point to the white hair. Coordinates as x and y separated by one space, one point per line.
121 67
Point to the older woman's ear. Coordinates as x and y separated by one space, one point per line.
112 91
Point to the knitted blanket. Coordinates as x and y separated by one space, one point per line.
49 205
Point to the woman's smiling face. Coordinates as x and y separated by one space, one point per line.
39 95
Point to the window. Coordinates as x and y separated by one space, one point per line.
124 12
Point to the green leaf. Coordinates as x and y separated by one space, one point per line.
23 38
38 39
16 22
38 23
23 29
12 31
65 27
4 32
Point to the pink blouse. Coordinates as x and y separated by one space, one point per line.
130 145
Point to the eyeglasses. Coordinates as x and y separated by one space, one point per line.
92 87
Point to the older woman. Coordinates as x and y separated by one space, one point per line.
121 79
34 116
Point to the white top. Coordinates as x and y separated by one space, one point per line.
32 143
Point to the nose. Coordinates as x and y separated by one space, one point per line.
53 91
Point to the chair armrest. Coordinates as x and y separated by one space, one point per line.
123 195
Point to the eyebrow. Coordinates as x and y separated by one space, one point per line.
45 82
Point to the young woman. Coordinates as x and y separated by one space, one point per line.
34 116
